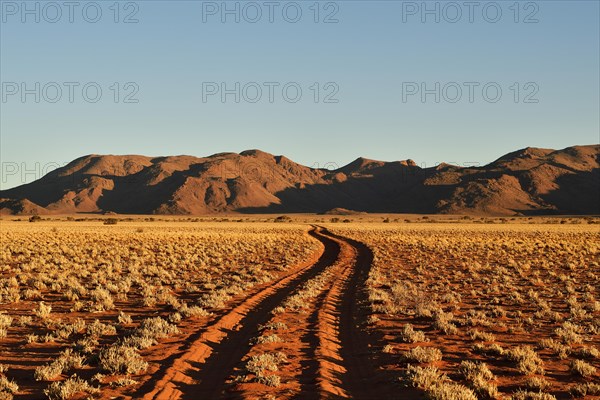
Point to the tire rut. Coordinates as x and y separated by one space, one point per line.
202 370
347 368
339 357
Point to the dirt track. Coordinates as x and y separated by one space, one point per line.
338 362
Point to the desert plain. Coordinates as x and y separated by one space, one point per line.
362 306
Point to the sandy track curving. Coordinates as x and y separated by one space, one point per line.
337 351
203 367
346 367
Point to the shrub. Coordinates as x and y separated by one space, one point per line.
410 335
267 339
478 375
569 333
213 299
111 221
101 300
155 328
425 377
528 361
121 359
443 322
47 372
32 338
43 310
67 389
265 362
581 368
122 382
8 386
5 321
450 391
269 380
388 348
561 350
537 383
86 345
437 385
124 319
273 326
97 329
485 336
471 370
423 354
25 320
64 362
584 389
525 395
193 311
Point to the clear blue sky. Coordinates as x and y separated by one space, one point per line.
370 56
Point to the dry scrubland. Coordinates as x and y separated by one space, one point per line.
445 311
89 302
481 311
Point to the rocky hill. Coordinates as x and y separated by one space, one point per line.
527 181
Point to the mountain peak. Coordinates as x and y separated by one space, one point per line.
525 153
256 153
361 164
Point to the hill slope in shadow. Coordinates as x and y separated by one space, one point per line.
527 181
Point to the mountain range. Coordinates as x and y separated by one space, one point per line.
525 182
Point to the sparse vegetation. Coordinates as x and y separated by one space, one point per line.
436 385
585 389
410 335
65 390
423 354
260 364
121 359
484 291
479 378
582 368
459 310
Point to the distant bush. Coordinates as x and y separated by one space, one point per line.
35 218
283 218
410 335
121 359
581 368
267 339
528 361
69 388
7 387
584 389
265 362
65 361
525 395
111 221
537 383
423 354
437 385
